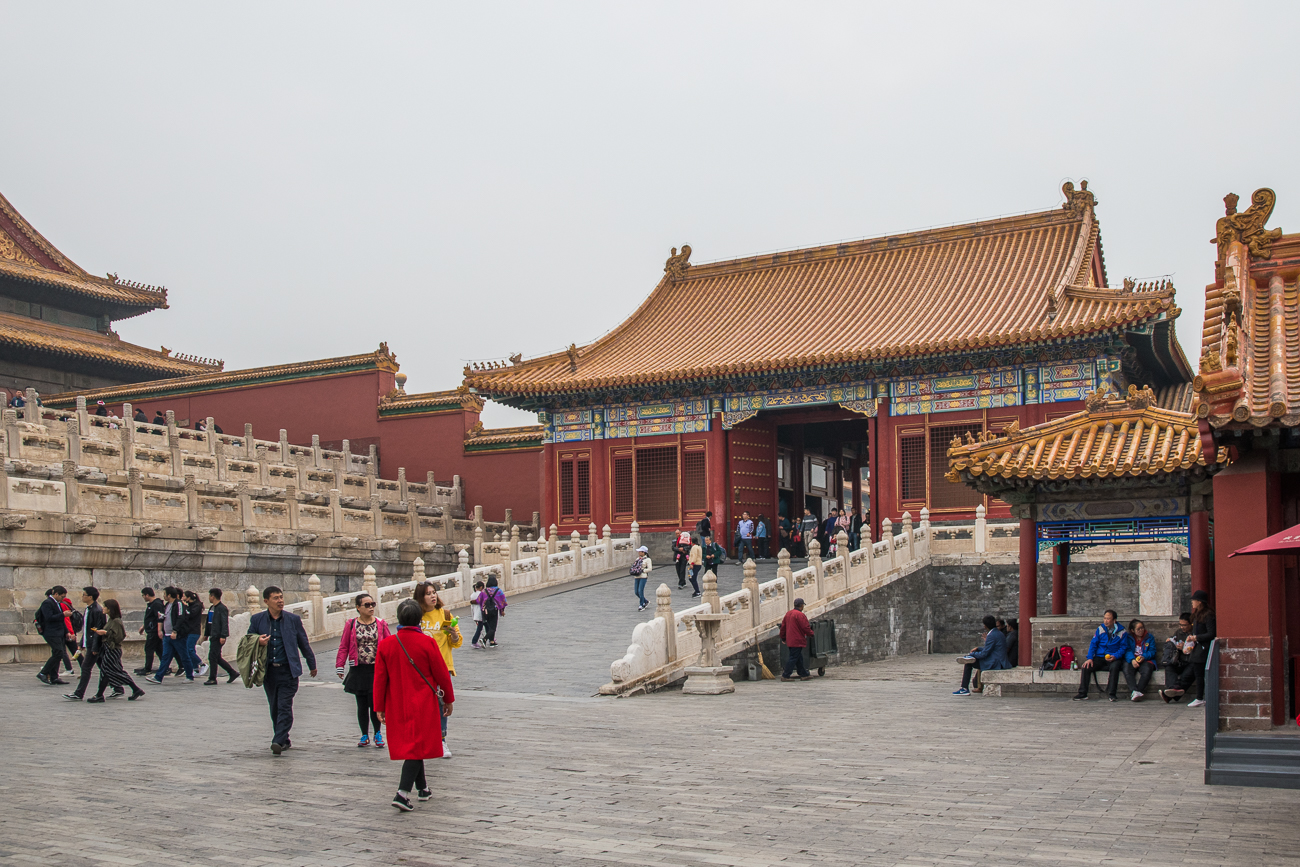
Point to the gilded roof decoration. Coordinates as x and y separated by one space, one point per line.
1248 227
979 286
1114 437
82 343
677 263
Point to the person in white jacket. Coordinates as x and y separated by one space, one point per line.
640 571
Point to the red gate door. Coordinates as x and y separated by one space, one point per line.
752 449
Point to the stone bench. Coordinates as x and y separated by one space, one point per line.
1030 681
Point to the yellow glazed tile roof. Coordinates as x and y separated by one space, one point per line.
28 334
523 435
1113 437
1008 281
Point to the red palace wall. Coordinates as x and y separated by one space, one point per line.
345 407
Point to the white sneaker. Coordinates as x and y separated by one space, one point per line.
1137 696
203 670
1199 702
446 750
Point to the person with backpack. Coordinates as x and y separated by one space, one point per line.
173 642
714 556
493 604
52 626
1140 659
640 572
1105 651
357 649
991 657
412 690
681 553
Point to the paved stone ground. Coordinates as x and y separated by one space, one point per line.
873 764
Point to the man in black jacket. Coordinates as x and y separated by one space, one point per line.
90 641
50 624
153 608
215 631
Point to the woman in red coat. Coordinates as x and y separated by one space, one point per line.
408 668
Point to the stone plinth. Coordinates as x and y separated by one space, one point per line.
708 680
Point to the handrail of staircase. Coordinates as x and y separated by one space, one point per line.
1211 703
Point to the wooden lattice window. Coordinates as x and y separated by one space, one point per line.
566 489
694 482
911 468
656 484
624 489
943 493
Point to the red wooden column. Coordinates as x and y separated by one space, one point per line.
1028 586
1202 578
1060 581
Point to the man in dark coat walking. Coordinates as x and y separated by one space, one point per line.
91 643
283 635
215 632
53 628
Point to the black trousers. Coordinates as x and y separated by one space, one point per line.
1100 664
490 624
1139 678
152 648
681 571
412 775
57 655
281 686
794 660
89 661
968 669
215 661
112 674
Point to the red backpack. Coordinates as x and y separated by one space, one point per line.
1058 658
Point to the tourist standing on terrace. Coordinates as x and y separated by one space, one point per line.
744 538
438 624
706 526
93 619
215 631
357 649
807 530
476 613
714 556
283 636
153 609
52 626
640 572
493 604
760 533
681 553
696 561
412 688
110 656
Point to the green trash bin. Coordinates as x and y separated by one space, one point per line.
819 649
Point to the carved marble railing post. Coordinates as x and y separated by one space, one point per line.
4 486
907 533
783 571
74 441
981 529
432 496
368 583
751 585
664 610
263 468
553 540
13 437
174 444
192 500
83 417
253 599
402 490
250 446
842 549
347 462
815 561
284 443
413 520
463 567
32 409
316 453
575 545
478 516
591 534
887 535
636 536
514 542
925 531
711 597
507 569
377 517
607 539
291 505
136 490
478 543
317 625
71 488
372 468
457 491
417 570
245 504
336 510
209 435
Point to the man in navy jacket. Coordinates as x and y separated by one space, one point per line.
283 634
991 657
1105 651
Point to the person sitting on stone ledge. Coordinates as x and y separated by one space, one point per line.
1106 650
1173 657
1204 630
991 657
1140 659
1013 642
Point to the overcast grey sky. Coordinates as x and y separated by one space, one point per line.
467 180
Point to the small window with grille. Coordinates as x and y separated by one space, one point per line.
623 488
583 486
656 484
694 482
943 493
566 489
911 468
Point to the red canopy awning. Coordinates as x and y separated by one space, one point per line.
1278 543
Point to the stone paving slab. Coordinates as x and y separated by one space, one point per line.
874 764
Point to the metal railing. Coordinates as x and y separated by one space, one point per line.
1211 703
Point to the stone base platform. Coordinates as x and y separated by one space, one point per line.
708 680
1030 681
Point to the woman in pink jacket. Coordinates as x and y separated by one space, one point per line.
358 647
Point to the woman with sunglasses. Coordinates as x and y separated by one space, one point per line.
360 642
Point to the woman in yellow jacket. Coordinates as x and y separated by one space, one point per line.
439 624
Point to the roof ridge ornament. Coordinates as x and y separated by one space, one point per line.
1077 202
1247 227
1140 398
572 352
678 263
